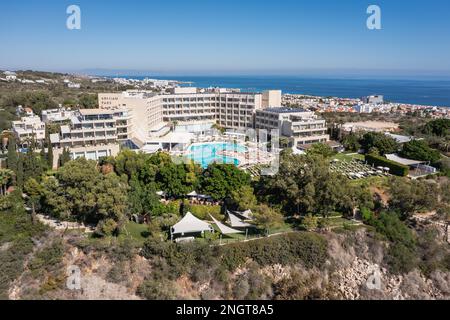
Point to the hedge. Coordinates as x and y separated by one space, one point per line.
396 168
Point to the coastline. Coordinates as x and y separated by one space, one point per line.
416 92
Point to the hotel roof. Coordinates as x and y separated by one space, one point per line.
88 112
285 110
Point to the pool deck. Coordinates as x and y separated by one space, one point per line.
252 155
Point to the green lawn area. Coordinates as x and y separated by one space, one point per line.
135 231
348 156
252 234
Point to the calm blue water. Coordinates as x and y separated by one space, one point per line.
207 153
425 92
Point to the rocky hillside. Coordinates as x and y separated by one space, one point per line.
354 268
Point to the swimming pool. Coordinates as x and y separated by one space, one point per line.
206 153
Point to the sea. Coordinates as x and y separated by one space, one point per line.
421 92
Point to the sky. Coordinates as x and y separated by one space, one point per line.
228 37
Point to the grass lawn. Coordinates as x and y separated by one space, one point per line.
135 231
348 156
252 234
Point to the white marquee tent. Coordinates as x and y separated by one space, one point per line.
190 224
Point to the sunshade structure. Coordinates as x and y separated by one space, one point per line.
235 222
246 215
161 193
192 194
190 224
224 229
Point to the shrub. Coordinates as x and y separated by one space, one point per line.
47 258
402 254
202 212
305 248
160 289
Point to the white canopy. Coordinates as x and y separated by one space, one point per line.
190 224
192 194
161 193
247 214
224 229
236 222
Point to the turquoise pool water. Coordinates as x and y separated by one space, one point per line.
207 153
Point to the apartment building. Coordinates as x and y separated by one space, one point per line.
92 133
301 126
27 129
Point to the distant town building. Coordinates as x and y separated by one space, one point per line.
10 76
374 99
73 85
365 108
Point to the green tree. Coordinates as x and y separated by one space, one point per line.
412 196
219 180
129 162
267 217
64 157
34 193
33 165
12 160
383 143
419 150
244 198
88 101
351 142
174 179
6 177
321 149
310 222
438 127
305 184
81 192
49 152
19 174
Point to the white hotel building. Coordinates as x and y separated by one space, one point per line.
92 133
145 119
189 107
27 129
301 126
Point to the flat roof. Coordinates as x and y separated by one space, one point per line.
399 138
88 112
284 110
404 161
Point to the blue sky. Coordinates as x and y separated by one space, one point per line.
228 37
